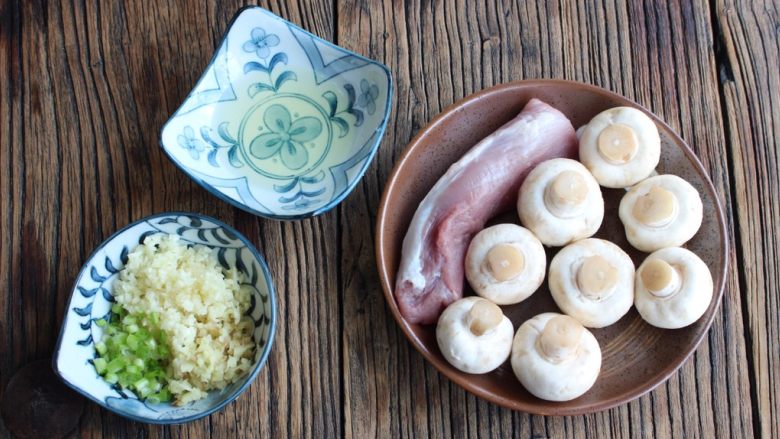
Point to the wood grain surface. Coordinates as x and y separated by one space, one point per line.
86 85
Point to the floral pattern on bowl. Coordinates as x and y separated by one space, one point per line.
282 123
91 300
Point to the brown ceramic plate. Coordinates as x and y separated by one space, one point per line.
636 356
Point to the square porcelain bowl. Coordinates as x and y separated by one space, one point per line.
91 301
282 123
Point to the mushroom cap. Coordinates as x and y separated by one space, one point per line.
505 263
560 202
662 211
555 377
686 294
592 280
467 351
620 146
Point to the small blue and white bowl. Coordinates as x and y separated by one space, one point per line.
91 300
282 123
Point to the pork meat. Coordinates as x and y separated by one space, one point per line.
477 187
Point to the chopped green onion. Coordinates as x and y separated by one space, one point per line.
133 353
100 365
161 396
101 347
115 365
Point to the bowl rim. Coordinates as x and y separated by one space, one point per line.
465 383
249 378
378 133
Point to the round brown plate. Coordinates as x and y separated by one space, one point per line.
636 356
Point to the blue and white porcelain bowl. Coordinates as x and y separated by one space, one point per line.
282 123
91 300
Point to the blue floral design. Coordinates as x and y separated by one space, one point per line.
261 43
188 141
368 95
272 169
91 301
286 137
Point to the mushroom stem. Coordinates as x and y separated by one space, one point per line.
656 208
617 143
596 277
560 338
660 278
483 316
566 194
505 261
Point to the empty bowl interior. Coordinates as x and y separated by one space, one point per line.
282 123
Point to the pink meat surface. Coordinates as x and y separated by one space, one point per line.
476 188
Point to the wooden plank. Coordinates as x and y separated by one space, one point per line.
86 87
89 83
657 53
750 58
10 194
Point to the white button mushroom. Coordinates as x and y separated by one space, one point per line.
555 357
474 335
673 288
662 211
620 146
560 202
505 263
592 280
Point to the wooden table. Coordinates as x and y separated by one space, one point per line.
84 89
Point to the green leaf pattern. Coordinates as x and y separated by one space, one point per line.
225 142
284 136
